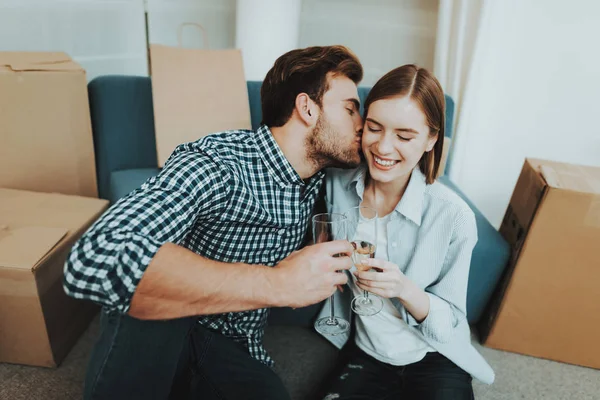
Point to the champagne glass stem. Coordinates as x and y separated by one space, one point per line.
366 294
331 311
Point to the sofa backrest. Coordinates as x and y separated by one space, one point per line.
123 123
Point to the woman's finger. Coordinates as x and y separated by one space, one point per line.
373 262
380 264
385 293
374 276
375 284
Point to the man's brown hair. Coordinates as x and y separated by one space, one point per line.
304 71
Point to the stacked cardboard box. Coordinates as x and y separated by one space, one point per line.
45 130
48 198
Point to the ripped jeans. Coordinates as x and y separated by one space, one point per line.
433 378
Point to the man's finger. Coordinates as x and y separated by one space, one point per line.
340 280
340 263
337 247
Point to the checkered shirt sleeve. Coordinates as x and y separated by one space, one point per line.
107 263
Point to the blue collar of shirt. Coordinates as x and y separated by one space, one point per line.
275 161
411 204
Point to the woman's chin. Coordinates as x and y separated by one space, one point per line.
381 176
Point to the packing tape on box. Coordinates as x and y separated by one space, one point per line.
551 177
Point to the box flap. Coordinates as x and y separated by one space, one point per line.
35 223
37 61
24 208
23 247
578 178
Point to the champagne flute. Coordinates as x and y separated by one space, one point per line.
362 233
328 227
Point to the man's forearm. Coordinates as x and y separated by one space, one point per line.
179 283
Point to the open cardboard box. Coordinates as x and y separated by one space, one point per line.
39 323
547 304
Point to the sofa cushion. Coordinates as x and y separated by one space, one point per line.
304 317
303 359
124 182
488 261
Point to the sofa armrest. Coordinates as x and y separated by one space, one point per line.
490 257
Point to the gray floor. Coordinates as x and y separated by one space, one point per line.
517 377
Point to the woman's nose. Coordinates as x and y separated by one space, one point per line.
385 146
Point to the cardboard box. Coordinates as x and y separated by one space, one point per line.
39 323
548 302
46 142
196 92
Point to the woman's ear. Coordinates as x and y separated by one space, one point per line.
306 109
431 142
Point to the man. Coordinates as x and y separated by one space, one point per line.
213 237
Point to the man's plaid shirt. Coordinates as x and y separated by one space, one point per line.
230 196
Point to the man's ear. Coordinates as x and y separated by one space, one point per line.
306 109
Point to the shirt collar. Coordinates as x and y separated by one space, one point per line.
275 161
358 180
411 204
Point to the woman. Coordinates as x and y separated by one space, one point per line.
418 346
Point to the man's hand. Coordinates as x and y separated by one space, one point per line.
310 275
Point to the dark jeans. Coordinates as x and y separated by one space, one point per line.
176 359
433 378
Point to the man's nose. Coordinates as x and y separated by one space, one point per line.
359 125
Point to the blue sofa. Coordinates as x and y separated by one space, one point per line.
125 147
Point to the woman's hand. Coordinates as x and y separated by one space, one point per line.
389 282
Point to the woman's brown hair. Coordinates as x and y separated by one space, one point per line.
421 86
304 71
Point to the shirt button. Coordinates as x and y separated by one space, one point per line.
281 231
394 244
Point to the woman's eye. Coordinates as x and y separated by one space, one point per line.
373 129
350 111
404 139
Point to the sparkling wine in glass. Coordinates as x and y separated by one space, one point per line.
362 233
328 227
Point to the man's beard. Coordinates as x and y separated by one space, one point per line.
325 147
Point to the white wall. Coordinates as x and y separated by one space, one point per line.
216 16
535 94
109 36
262 43
105 36
383 33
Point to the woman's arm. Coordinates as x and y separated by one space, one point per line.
442 305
